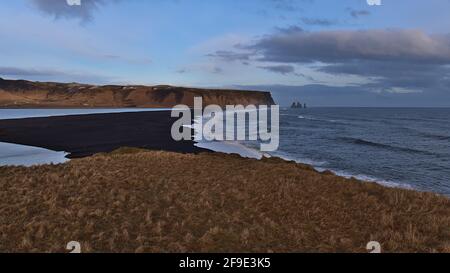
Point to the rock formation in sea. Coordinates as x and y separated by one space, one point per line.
297 105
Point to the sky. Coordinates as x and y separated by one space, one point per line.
320 52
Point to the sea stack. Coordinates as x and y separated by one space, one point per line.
297 105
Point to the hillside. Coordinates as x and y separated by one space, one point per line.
27 94
139 201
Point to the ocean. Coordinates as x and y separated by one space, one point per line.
399 147
396 147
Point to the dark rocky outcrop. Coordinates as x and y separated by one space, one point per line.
297 105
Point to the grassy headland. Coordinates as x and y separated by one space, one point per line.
143 201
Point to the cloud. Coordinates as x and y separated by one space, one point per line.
46 74
130 60
358 13
353 96
335 46
217 70
285 5
230 56
281 69
385 61
395 73
289 30
318 22
207 67
391 76
181 71
14 71
282 9
60 8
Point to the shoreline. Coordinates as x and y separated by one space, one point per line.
230 148
247 155
89 134
83 135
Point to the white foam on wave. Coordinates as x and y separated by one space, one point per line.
246 150
371 179
227 147
319 119
231 147
306 161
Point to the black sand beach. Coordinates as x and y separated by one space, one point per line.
85 135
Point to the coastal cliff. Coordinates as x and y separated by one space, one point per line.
27 94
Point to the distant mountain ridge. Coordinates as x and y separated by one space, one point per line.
28 94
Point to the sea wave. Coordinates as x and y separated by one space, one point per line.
367 178
434 136
250 152
301 160
430 135
323 120
245 150
437 137
232 147
359 141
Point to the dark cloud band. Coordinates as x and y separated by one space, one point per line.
336 46
391 59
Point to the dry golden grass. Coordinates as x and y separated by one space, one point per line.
142 201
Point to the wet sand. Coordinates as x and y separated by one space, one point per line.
85 135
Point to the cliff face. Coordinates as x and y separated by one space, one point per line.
28 94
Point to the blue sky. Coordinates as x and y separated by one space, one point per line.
330 53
